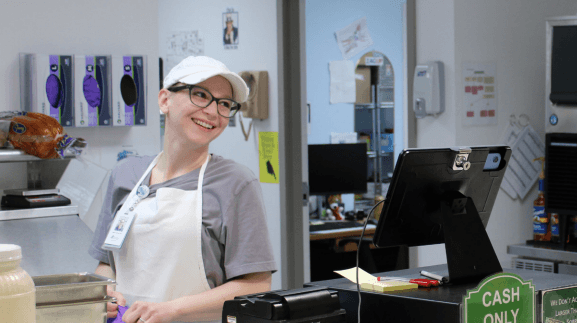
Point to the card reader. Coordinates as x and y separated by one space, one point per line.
23 198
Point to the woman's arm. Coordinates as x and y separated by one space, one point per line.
205 306
104 269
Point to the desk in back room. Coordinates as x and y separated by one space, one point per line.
336 249
319 232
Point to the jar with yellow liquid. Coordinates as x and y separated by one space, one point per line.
17 291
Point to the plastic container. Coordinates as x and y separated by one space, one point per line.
541 229
17 291
555 238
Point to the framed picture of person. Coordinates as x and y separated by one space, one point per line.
230 30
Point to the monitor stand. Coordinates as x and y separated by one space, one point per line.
470 254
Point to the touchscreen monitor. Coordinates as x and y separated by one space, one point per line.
445 195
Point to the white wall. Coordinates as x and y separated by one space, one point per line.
511 35
81 27
435 41
257 50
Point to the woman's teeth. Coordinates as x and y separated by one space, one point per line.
203 124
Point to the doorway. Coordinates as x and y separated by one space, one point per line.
385 25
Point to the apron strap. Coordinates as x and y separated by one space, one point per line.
201 174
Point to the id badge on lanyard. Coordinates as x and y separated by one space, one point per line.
123 220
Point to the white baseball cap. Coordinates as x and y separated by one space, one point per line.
195 69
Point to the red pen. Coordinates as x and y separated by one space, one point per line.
419 281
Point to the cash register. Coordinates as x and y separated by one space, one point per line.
310 304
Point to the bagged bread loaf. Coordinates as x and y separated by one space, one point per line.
40 135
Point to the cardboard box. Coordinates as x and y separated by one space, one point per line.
363 84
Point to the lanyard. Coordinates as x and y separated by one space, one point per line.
125 216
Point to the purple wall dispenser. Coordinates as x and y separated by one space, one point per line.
129 92
91 91
54 90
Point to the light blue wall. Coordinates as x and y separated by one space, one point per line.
323 19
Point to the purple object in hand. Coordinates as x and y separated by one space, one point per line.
118 319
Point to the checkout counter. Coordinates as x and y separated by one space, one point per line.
443 304
445 195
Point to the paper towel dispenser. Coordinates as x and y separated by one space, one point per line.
429 89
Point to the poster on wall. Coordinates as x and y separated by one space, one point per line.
268 157
181 44
230 29
354 38
480 97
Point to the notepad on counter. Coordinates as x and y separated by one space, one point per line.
370 282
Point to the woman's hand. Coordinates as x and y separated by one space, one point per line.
145 312
111 308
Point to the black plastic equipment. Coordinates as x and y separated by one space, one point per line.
446 195
337 169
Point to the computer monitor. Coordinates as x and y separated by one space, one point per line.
446 195
337 169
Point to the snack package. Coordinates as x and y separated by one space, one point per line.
39 135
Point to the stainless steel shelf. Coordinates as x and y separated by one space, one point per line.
540 252
16 214
10 155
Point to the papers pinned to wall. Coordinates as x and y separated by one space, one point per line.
522 172
180 45
480 97
354 38
343 85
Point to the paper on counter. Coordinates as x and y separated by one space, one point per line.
343 86
351 274
370 282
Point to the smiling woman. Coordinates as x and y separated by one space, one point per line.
200 236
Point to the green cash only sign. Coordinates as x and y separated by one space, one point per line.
501 298
560 306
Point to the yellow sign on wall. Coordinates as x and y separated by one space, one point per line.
268 157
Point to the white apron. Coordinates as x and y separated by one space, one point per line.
161 258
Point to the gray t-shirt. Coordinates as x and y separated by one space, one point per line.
235 238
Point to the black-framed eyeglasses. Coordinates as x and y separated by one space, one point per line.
202 98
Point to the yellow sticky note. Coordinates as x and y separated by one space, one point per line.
268 157
387 286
